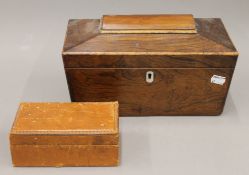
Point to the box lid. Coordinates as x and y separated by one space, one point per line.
66 123
103 37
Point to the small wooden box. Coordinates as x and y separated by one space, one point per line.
65 134
150 64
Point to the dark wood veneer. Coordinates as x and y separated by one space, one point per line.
174 92
112 66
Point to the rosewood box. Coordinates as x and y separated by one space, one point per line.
150 64
65 134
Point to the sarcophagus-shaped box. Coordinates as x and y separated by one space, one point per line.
151 64
65 134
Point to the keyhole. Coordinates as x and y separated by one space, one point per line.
149 77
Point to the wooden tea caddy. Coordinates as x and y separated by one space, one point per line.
150 64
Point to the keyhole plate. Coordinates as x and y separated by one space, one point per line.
149 77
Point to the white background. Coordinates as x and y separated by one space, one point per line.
31 69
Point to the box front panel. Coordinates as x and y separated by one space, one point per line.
65 155
162 91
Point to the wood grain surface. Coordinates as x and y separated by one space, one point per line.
84 38
149 61
185 91
107 67
148 24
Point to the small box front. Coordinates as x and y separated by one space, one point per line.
65 134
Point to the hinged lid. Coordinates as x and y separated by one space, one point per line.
148 24
66 123
94 43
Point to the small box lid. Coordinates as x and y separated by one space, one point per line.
66 123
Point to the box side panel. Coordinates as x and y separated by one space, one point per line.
44 139
149 61
65 155
213 29
184 91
